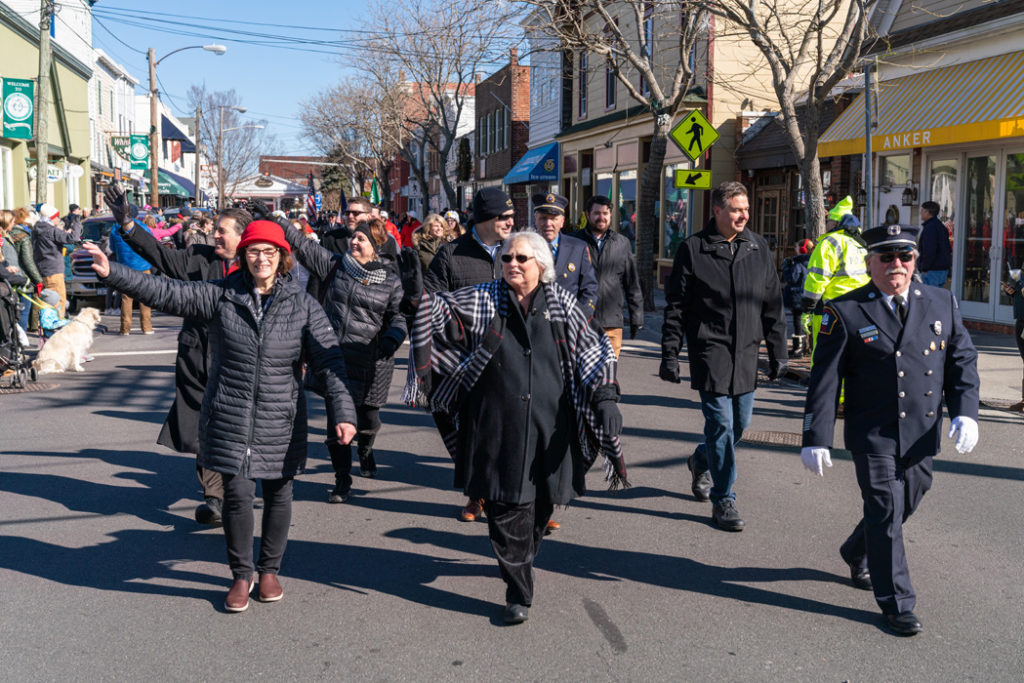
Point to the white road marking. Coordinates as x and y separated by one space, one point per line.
132 353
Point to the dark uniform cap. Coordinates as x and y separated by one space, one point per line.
550 203
490 202
895 237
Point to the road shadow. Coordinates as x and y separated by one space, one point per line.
664 571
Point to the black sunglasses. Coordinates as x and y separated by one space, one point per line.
351 213
520 258
903 256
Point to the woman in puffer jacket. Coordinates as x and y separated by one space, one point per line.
252 424
361 294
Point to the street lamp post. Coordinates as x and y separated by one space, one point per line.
154 131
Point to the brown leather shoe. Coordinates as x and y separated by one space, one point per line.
270 588
473 510
238 596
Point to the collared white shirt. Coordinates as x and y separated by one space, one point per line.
492 250
906 300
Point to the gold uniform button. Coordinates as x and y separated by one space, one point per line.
928 373
928 393
931 413
926 352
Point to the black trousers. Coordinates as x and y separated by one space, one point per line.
516 531
367 425
239 523
891 491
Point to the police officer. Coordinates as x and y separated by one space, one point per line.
836 265
901 349
574 270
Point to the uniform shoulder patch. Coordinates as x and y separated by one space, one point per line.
828 320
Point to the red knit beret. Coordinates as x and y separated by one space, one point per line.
264 231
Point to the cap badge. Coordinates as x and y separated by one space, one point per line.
937 327
550 199
572 267
894 230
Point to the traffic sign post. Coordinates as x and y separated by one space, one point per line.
693 180
694 134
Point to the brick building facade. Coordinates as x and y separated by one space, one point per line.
503 129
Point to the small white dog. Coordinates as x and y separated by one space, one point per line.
66 348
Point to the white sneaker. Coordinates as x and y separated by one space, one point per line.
150 332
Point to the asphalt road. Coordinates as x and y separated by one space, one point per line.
104 575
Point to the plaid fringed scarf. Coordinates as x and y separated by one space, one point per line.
373 273
455 334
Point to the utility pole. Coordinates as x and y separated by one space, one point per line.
199 114
154 136
42 103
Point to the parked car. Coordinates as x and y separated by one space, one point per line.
83 285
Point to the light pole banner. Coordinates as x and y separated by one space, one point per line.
138 152
18 107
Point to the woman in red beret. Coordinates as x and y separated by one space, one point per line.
252 424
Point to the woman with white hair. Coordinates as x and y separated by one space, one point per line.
533 389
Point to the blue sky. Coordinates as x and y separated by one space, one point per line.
272 82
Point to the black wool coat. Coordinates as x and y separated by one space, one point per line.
196 263
725 304
616 277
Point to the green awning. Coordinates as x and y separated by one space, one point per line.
172 183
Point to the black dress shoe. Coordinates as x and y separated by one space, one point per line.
725 516
516 614
209 513
701 479
860 577
903 624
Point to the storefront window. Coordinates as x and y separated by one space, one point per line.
981 173
604 185
893 174
1013 226
673 213
627 206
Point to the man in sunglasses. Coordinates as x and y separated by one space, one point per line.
901 349
336 238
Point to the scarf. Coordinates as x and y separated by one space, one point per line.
455 334
374 275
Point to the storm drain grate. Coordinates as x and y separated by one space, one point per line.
772 438
29 386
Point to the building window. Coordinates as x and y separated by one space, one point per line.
609 85
494 131
6 178
645 87
508 127
582 78
99 97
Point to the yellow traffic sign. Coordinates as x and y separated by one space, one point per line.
693 180
694 134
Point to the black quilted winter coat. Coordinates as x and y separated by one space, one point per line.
363 316
253 418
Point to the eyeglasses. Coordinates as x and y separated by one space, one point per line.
903 256
257 254
507 217
520 258
352 213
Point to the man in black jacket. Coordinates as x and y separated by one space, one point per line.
616 273
472 260
725 294
198 262
936 252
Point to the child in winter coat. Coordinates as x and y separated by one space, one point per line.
794 272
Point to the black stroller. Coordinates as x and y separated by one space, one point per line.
15 367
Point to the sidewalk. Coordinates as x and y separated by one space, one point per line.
999 364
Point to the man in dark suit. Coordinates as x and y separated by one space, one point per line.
901 349
574 270
936 252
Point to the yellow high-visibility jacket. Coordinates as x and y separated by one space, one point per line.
837 266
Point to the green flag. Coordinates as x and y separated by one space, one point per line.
374 192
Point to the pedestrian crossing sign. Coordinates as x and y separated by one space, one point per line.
694 134
693 180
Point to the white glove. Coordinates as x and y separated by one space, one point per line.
813 458
966 430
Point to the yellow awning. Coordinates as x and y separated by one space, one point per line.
982 100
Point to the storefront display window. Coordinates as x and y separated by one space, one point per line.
627 206
673 213
1013 225
981 173
604 185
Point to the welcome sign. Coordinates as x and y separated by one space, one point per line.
18 107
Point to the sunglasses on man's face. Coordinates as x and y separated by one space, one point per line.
903 256
520 258
353 213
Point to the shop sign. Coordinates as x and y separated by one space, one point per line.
18 107
133 148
